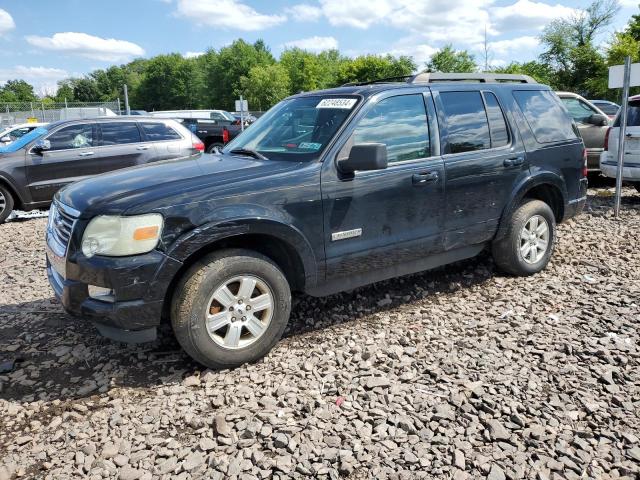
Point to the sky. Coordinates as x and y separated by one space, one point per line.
44 41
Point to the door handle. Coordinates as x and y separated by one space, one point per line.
424 178
513 161
143 147
86 154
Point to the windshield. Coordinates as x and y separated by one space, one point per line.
296 129
24 140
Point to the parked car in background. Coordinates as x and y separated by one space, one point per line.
593 124
213 134
609 108
327 191
14 132
247 117
139 112
609 157
221 116
35 166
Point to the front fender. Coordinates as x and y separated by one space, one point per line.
200 237
520 191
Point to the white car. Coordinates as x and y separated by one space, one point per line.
14 132
218 115
609 157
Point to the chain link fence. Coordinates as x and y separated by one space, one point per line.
24 112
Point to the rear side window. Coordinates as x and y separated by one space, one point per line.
633 115
549 122
156 132
467 125
497 123
398 122
119 133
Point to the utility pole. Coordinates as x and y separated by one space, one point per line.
126 100
626 80
486 50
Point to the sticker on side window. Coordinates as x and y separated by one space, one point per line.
345 103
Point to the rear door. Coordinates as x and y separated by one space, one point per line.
73 156
122 145
167 142
482 159
592 135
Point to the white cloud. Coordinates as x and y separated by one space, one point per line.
356 13
304 12
193 54
43 79
525 14
415 47
314 44
6 22
226 14
97 48
629 3
520 45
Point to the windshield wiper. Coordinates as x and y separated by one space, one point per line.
247 152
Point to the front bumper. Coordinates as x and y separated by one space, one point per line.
139 283
630 167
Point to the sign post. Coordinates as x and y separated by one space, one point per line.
242 106
623 76
126 100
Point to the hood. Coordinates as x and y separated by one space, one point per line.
118 191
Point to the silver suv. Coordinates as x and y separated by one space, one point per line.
34 167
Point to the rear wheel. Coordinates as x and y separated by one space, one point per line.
6 203
215 147
529 242
231 308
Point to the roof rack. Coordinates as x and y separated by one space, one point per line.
403 78
437 77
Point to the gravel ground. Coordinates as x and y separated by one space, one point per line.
456 374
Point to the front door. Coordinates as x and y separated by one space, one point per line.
482 157
72 156
377 223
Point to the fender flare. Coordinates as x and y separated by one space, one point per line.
201 237
20 198
520 191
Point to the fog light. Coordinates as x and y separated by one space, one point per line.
101 293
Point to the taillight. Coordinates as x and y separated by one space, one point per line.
225 135
606 139
585 169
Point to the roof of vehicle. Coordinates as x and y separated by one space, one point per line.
118 118
22 125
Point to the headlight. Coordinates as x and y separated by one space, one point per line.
121 236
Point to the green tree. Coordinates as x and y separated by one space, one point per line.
84 89
232 63
264 86
368 68
303 69
17 91
541 72
64 92
448 60
170 82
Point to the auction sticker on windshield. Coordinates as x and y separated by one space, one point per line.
345 103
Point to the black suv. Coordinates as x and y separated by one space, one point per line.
329 190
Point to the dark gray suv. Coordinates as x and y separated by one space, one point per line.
36 166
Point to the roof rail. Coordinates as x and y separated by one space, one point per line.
402 78
437 77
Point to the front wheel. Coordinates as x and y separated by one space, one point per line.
529 242
231 308
6 203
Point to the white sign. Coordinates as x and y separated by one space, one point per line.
242 106
345 103
616 76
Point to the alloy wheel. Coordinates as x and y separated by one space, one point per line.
534 239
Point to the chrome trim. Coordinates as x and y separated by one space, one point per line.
581 199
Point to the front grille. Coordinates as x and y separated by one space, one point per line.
61 224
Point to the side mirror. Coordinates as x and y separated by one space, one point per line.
364 156
598 120
41 146
5 139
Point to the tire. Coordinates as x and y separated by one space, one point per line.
6 203
513 253
215 146
195 298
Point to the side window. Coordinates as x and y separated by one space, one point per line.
578 110
548 120
467 125
156 132
119 133
73 136
217 116
398 122
497 123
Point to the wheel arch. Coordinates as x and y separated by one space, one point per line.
15 193
548 188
